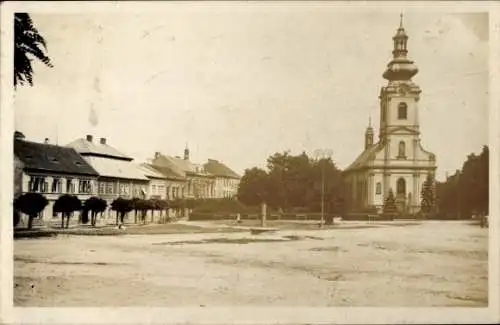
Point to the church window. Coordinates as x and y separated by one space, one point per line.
378 188
401 186
402 111
402 149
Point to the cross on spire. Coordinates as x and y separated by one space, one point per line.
401 20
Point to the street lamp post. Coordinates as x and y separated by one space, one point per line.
322 154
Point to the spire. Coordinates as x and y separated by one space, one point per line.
186 152
369 134
400 68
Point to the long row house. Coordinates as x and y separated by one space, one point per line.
89 167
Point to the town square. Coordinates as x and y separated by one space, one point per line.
258 155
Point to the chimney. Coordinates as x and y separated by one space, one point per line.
157 154
103 140
46 141
18 135
89 138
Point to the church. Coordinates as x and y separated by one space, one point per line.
397 162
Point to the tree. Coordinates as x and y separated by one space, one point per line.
254 186
428 195
390 204
95 205
67 204
122 207
28 43
136 204
31 204
17 217
466 192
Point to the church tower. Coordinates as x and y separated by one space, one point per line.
397 161
369 135
186 152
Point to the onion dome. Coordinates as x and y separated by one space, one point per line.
400 67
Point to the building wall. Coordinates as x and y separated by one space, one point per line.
370 188
175 189
18 177
53 193
200 187
225 187
157 189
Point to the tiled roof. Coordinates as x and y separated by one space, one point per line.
116 168
364 157
85 147
169 173
217 168
179 165
150 172
51 158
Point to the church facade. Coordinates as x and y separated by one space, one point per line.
397 162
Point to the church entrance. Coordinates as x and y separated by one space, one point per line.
401 195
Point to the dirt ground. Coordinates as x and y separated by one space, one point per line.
408 264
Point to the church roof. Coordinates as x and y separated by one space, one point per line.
364 157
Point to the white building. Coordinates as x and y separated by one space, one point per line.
226 180
397 162
119 175
52 171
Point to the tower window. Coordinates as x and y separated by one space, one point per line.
402 149
402 111
378 188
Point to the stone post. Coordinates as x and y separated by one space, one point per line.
263 215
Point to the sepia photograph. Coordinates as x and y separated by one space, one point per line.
235 154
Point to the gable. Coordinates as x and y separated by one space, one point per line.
402 130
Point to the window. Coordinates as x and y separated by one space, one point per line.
84 186
70 186
378 188
56 185
401 186
153 189
402 149
38 184
402 111
109 188
102 188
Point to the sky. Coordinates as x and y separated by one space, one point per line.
238 84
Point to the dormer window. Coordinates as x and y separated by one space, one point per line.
402 111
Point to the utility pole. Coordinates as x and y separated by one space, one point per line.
322 194
321 154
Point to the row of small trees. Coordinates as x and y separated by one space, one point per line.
32 204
